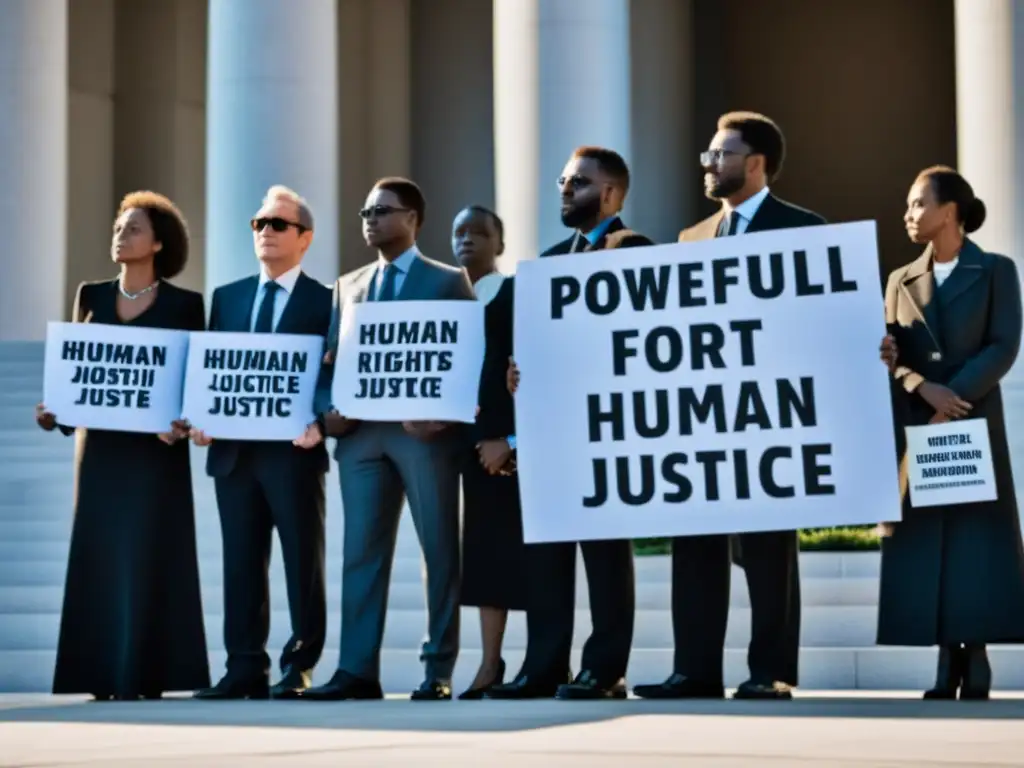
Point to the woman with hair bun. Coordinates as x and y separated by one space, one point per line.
132 622
952 576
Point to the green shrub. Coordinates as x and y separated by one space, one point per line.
851 538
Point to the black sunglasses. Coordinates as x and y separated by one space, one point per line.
276 223
380 211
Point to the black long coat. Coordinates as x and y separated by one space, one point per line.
954 574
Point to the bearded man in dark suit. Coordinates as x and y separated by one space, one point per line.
745 155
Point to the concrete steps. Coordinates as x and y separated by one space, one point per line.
840 591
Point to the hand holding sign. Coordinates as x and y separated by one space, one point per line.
199 437
45 419
944 400
311 438
179 429
889 352
494 455
512 377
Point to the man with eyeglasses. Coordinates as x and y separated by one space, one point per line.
263 485
593 187
380 464
745 155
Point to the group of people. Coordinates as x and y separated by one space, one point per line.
132 622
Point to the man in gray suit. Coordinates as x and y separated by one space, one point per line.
380 463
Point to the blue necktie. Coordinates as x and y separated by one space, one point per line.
265 317
387 288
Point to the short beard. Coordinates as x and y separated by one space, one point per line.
723 188
582 214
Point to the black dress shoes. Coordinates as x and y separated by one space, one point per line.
292 684
977 680
475 694
768 691
524 687
234 688
588 686
680 687
433 690
342 687
948 674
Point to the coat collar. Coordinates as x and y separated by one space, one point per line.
919 283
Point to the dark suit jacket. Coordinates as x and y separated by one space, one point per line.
308 312
773 214
629 241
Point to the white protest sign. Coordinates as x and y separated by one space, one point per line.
126 379
409 361
722 386
252 386
950 463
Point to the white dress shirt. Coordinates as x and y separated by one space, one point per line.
401 264
942 270
286 282
746 210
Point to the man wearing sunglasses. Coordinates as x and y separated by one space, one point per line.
265 485
593 188
745 155
380 464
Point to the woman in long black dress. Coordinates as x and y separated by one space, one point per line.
493 567
953 576
132 622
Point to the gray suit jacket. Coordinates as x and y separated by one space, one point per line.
427 280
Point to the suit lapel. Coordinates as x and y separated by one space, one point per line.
919 286
762 219
241 312
293 309
708 229
613 226
966 273
410 284
363 283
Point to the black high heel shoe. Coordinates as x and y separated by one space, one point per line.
977 680
949 673
475 694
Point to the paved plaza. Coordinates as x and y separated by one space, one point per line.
835 729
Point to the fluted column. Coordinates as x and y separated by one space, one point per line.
990 134
561 79
33 165
272 118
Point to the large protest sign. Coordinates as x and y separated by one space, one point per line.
950 463
714 387
409 361
114 377
251 386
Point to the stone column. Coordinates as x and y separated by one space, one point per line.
272 118
561 79
33 171
990 132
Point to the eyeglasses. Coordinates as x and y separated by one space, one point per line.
716 156
380 211
276 223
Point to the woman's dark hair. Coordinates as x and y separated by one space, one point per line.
950 187
169 229
499 225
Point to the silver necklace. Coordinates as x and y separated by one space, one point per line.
133 296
